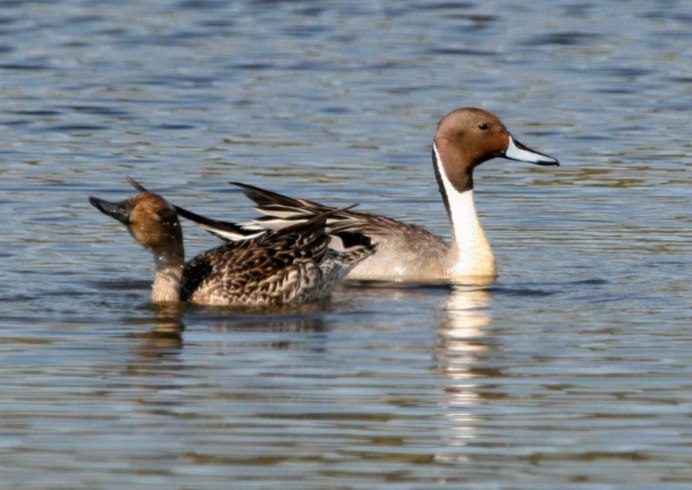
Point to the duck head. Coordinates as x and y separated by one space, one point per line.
151 221
469 136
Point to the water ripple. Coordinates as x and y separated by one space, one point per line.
572 370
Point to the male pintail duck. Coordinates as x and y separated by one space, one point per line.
465 138
298 264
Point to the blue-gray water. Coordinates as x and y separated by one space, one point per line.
573 371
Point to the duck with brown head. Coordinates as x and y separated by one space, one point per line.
465 138
154 224
291 266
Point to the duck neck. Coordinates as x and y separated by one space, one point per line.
168 277
470 253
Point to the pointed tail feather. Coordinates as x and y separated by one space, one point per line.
306 221
276 204
136 184
279 211
224 229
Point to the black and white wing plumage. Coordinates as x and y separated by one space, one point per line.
279 211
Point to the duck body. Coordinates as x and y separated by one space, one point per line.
464 139
291 267
294 265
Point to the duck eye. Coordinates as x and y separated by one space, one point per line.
483 126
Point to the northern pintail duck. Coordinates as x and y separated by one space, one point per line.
291 266
465 138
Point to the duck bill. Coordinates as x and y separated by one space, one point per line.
118 210
517 151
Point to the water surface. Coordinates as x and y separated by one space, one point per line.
572 371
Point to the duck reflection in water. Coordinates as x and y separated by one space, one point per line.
462 346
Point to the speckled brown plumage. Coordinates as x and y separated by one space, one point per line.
291 266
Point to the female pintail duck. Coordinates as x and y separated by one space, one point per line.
297 264
465 138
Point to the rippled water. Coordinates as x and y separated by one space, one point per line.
573 371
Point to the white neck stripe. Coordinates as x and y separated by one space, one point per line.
473 253
458 214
